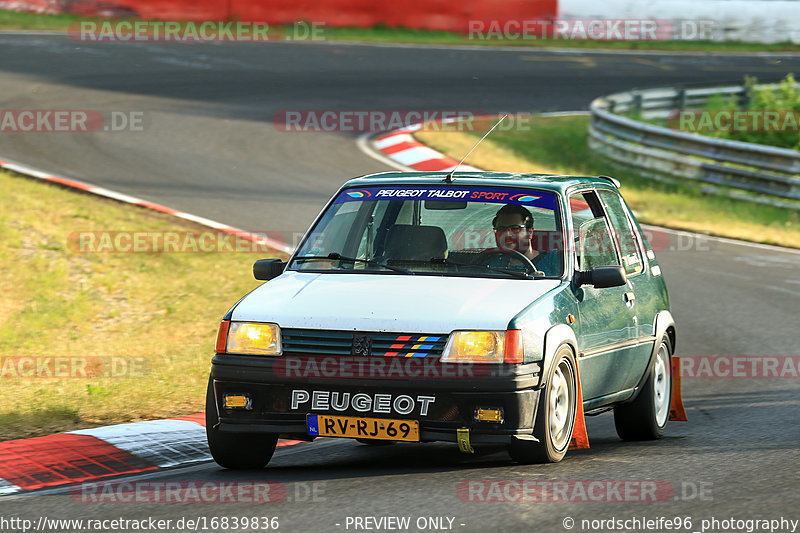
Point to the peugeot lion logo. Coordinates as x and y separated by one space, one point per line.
362 344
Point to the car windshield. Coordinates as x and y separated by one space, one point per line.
445 230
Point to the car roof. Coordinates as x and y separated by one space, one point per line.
551 182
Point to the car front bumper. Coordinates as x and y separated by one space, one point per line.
445 398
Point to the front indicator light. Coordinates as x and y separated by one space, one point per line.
250 338
513 348
222 336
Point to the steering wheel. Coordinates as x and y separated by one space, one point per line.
519 255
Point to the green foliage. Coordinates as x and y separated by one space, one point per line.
785 98
782 97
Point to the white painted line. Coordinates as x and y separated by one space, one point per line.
784 290
26 170
116 195
203 221
394 139
8 488
415 155
363 143
164 443
466 168
107 193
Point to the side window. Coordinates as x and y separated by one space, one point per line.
626 237
594 245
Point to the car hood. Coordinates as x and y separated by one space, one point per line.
376 302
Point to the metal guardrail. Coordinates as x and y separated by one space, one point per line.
749 171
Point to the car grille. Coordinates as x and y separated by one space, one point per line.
327 342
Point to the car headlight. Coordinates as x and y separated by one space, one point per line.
484 347
252 338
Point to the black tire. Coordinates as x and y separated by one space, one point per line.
237 451
558 401
646 417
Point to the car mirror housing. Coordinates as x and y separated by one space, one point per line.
602 277
267 269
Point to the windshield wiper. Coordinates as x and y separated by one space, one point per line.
340 257
515 273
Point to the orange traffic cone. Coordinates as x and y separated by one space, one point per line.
580 438
676 410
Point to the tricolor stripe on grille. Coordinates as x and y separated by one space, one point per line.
413 346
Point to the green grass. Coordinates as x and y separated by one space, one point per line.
157 310
560 146
14 20
11 20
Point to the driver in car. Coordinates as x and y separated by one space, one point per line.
513 232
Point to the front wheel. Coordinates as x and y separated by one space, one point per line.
555 415
646 417
237 451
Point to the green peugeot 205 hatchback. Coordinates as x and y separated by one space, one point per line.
475 308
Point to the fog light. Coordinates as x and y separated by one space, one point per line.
237 401
488 415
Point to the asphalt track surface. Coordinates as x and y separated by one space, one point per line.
209 148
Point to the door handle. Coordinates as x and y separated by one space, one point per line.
629 298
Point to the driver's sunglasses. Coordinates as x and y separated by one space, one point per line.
513 227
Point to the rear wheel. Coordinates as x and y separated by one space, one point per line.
646 417
237 451
555 415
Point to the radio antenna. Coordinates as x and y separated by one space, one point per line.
449 177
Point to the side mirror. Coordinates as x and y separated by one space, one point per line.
602 277
267 269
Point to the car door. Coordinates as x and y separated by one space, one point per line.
643 297
606 323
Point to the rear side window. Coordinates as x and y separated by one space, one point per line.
594 245
623 231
